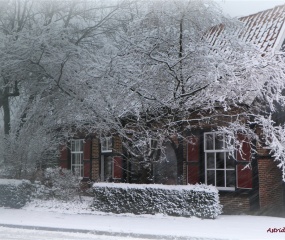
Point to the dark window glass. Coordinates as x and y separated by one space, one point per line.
230 176
108 162
230 161
219 141
210 160
220 178
220 158
211 177
209 142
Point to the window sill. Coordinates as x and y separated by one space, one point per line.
236 191
228 189
106 151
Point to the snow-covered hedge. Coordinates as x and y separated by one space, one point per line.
188 200
59 183
14 193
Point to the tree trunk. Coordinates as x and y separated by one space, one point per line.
181 55
7 117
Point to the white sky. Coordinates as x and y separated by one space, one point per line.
239 8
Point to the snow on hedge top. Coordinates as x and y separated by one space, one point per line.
196 187
14 182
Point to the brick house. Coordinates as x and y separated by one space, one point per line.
259 188
204 158
94 158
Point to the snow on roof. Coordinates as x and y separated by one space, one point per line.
264 29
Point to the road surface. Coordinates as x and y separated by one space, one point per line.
25 234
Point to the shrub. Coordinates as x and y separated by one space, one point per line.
57 183
189 200
14 193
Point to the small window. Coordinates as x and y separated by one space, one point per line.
106 144
77 156
11 90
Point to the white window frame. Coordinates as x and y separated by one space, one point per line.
214 150
106 145
78 152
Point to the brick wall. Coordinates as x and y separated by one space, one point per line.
185 172
235 203
117 149
270 182
270 187
95 159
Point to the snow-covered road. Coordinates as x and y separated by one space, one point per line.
62 220
25 234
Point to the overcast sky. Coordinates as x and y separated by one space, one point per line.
239 8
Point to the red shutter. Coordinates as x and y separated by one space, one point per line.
193 149
193 152
193 174
118 167
63 158
87 157
244 175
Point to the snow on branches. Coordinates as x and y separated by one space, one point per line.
143 70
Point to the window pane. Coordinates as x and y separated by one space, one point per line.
77 146
219 141
73 158
77 170
103 147
108 162
211 178
230 162
103 144
231 179
220 178
106 144
220 158
109 143
72 146
229 145
210 160
77 158
209 142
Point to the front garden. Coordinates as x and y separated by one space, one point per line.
61 185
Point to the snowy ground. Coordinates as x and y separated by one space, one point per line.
24 234
74 217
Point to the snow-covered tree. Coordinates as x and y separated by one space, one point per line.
144 70
176 75
52 53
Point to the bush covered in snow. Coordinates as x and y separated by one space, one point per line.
189 200
57 183
14 193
